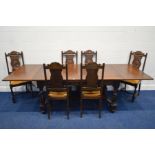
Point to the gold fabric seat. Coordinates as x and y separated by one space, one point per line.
18 82
91 94
132 81
58 95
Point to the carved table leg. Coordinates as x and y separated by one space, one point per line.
112 102
40 85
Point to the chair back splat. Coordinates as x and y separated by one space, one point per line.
138 59
70 57
88 56
15 58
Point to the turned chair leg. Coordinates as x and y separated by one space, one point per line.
43 107
139 87
100 107
125 87
49 110
26 87
13 95
67 109
134 94
81 108
31 89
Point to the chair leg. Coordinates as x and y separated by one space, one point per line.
49 110
139 88
100 107
134 94
125 87
42 104
26 87
13 95
31 89
67 109
81 108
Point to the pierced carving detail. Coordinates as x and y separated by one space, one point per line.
137 59
89 56
92 76
69 56
14 60
56 76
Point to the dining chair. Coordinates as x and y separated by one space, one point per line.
91 84
138 60
70 57
14 60
56 88
88 56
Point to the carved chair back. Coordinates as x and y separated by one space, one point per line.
15 58
138 59
88 56
69 57
92 74
56 79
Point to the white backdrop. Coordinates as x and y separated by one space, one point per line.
43 45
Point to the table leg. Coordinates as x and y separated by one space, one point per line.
40 85
112 102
